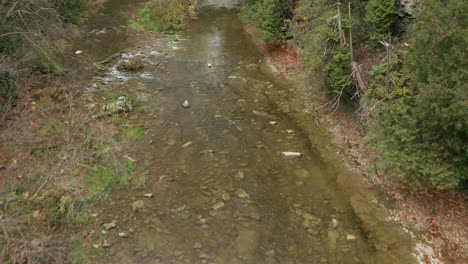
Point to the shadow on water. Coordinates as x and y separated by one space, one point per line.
224 192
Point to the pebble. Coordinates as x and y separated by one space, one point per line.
148 195
241 193
291 154
240 175
186 104
96 246
106 244
123 234
138 205
110 225
350 237
307 216
226 197
209 65
218 205
188 144
334 223
197 245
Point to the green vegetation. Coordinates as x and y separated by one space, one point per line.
134 133
381 16
73 10
422 134
100 181
8 93
164 16
269 16
415 100
31 31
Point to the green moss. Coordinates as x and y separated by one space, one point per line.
100 181
134 133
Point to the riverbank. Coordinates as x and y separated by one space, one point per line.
438 220
62 147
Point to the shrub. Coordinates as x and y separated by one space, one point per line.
338 72
381 16
422 134
165 16
73 10
269 16
8 93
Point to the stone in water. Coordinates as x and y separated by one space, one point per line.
291 154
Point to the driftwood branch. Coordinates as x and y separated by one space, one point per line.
113 56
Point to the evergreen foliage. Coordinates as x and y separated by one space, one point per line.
423 135
269 16
338 71
381 16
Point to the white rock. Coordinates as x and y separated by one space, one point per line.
110 225
106 244
334 223
188 144
291 154
350 237
148 195
273 123
186 104
123 234
209 65
78 52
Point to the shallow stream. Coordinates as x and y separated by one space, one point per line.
223 190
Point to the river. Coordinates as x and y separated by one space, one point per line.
222 189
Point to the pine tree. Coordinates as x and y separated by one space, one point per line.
381 16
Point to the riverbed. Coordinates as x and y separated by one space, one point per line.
237 174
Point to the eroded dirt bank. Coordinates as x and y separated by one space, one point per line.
215 185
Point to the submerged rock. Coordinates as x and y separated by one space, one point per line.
138 205
218 205
135 64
